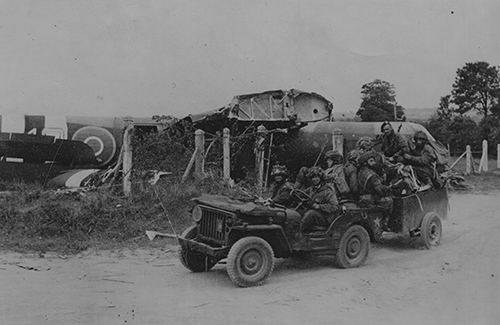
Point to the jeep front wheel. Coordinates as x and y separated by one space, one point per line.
194 261
353 248
250 261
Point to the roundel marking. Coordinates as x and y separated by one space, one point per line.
91 141
100 140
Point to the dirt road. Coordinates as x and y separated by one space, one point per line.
456 283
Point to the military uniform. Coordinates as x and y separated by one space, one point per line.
394 145
422 159
281 193
371 190
335 175
351 177
324 196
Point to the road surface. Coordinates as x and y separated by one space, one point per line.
455 283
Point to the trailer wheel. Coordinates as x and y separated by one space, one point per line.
353 248
250 261
194 261
431 230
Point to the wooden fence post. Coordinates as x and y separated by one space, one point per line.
338 140
127 157
226 154
199 163
259 157
468 160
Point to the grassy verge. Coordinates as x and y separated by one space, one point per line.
34 219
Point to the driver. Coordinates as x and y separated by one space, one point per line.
281 188
324 204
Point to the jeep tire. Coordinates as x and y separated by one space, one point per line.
250 261
431 230
354 247
194 261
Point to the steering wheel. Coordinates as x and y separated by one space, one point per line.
300 195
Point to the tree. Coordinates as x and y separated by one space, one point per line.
378 99
445 110
476 87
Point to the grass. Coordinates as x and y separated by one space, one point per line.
32 219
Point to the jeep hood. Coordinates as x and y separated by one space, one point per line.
236 206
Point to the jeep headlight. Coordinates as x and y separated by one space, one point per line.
196 213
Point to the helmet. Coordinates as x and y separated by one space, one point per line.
334 155
365 143
353 155
279 170
363 159
384 125
420 135
316 172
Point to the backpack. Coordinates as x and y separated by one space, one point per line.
442 154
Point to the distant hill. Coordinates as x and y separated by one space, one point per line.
418 115
412 115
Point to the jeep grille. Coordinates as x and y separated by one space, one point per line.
213 224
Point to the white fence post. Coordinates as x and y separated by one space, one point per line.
226 154
468 159
338 141
259 157
498 156
484 157
199 163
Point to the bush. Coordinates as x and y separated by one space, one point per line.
457 132
74 220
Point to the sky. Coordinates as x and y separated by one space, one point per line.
175 57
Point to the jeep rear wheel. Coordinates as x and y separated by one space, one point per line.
250 261
431 230
194 261
353 248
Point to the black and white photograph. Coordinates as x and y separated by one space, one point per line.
250 162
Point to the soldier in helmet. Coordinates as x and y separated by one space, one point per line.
422 158
334 172
323 205
371 190
280 187
364 144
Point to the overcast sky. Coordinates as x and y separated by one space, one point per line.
124 57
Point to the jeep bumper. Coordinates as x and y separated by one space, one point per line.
216 252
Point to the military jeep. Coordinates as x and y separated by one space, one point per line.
250 234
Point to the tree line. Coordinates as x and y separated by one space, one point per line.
476 89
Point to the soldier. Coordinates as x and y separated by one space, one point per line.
364 144
351 172
371 190
281 188
394 145
324 204
422 158
334 172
